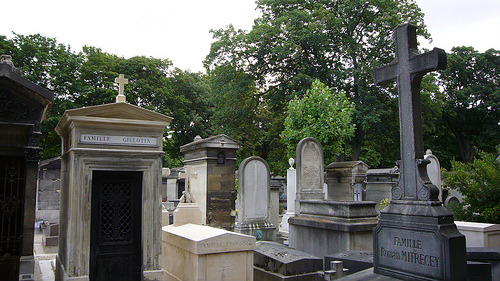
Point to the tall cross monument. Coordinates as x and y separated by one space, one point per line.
416 237
121 80
408 69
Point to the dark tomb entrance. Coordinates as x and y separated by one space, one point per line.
115 239
12 185
23 106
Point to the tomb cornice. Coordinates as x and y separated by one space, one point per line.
219 141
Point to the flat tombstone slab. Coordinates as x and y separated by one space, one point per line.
310 169
213 254
278 258
480 234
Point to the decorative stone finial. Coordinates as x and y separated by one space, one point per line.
291 161
428 152
121 80
197 138
7 59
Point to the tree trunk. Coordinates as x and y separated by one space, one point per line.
356 144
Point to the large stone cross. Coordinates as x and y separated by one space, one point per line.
408 69
188 197
121 80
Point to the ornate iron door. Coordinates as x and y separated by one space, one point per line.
115 239
12 184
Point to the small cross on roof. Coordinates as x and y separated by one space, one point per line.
121 80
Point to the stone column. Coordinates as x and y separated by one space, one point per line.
291 189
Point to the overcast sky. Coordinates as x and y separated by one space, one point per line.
179 29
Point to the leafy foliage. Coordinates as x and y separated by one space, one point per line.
471 109
296 42
323 114
87 78
479 182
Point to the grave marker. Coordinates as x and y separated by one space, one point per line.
291 189
310 169
254 180
416 238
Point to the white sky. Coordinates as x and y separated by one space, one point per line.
179 29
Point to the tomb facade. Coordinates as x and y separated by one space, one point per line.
111 174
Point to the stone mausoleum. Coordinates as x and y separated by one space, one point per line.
213 161
23 106
110 210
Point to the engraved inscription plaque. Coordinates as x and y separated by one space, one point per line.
417 252
117 140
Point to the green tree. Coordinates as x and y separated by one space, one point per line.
187 103
54 66
471 109
479 182
338 42
323 114
237 110
87 78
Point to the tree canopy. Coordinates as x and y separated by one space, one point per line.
307 117
87 78
255 78
471 100
296 42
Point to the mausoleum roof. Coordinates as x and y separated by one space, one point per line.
118 111
12 77
113 112
345 164
219 141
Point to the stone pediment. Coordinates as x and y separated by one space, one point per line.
219 141
118 111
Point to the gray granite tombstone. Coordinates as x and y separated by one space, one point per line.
310 171
23 106
254 195
416 238
321 226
